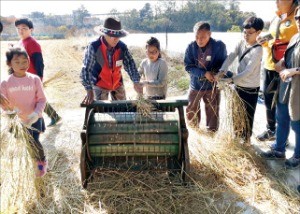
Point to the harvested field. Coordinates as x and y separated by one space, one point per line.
226 177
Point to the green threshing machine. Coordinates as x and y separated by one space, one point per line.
117 136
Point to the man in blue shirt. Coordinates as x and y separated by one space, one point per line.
203 59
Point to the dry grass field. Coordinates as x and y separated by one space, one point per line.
226 177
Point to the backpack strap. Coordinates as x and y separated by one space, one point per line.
247 51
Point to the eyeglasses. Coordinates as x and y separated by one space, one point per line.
297 18
248 33
151 52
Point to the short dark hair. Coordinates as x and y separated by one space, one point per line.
253 22
10 55
201 26
24 21
154 42
1 27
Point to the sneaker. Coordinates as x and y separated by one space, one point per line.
261 97
266 135
273 154
54 121
42 168
292 163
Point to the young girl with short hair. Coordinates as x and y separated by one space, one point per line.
24 92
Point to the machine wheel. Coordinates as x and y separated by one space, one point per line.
83 167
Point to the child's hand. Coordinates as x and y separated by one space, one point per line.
144 83
4 102
32 118
138 88
219 75
226 80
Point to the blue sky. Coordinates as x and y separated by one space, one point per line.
264 9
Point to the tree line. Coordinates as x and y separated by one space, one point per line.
164 16
170 16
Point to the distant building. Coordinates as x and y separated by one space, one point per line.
91 21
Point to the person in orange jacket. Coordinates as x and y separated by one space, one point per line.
104 58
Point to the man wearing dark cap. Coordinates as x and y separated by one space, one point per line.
101 72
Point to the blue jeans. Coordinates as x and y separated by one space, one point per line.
296 128
283 126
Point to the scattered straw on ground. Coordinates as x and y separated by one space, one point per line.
226 176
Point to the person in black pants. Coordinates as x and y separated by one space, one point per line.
24 28
282 28
246 78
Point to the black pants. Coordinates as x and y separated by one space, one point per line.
37 150
268 97
249 97
49 110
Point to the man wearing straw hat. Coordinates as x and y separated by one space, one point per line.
104 58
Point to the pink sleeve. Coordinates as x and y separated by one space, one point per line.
40 97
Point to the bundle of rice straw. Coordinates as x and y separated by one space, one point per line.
56 76
18 180
234 121
144 107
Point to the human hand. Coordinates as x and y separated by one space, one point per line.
219 75
226 80
5 102
285 74
32 118
209 76
89 98
261 40
144 83
279 66
138 88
